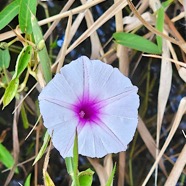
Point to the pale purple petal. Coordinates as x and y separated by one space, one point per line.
56 88
63 135
107 81
98 101
103 140
76 75
54 113
123 128
123 105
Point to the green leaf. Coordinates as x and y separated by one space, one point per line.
42 52
6 158
4 59
167 3
10 92
86 177
22 61
47 180
136 42
27 181
8 13
43 148
159 26
27 7
110 180
24 117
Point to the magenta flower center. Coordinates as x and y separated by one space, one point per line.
87 110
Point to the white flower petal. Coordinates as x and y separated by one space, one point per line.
76 74
106 81
63 136
124 105
54 114
58 89
99 140
123 128
89 143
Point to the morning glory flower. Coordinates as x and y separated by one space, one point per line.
94 99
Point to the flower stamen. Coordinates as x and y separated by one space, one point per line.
82 114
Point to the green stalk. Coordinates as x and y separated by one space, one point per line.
72 164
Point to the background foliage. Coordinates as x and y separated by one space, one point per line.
51 34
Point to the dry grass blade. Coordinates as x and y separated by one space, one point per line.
19 105
33 127
134 22
99 170
95 42
143 6
54 24
116 7
173 53
149 142
181 70
72 30
70 12
122 54
108 164
155 31
177 169
3 134
179 115
36 152
61 55
96 47
21 164
76 10
182 73
163 94
16 148
46 161
121 168
168 59
155 5
164 89
178 17
173 29
76 24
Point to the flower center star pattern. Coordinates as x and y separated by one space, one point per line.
94 99
87 111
